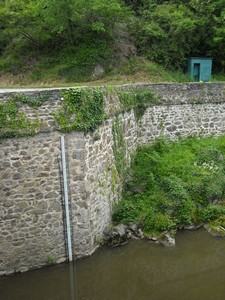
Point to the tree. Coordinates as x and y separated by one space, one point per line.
211 31
168 32
166 35
20 17
43 20
73 17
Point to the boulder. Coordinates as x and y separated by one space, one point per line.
98 71
117 235
215 230
167 240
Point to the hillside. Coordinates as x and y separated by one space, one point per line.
75 41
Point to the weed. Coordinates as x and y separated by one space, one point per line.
50 260
98 240
172 184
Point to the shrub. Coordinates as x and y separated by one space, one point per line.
128 210
157 222
210 213
171 184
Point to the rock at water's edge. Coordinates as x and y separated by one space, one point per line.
167 240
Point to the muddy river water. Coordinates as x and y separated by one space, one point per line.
192 270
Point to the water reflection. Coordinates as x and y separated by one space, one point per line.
194 269
73 288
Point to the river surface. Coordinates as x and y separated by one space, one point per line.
192 270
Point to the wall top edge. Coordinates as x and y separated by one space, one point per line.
24 90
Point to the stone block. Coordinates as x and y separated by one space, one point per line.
23 204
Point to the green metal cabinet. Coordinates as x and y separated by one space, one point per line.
200 68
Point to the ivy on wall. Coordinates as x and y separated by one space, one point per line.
83 110
32 102
119 147
137 99
13 122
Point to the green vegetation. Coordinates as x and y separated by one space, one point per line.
35 102
119 147
137 99
174 184
98 240
65 39
13 122
63 42
83 110
50 260
168 32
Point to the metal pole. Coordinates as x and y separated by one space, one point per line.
68 232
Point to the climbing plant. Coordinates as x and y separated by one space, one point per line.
14 123
83 110
119 147
33 102
137 99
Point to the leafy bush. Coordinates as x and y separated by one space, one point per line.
174 188
220 221
128 210
211 212
157 222
172 184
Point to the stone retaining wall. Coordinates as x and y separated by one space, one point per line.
32 229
